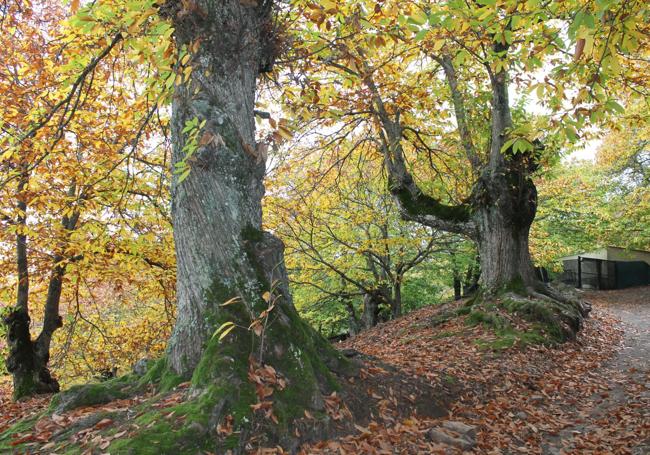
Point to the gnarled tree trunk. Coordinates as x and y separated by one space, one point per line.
223 256
28 359
369 317
502 205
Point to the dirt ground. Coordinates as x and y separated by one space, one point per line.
627 372
591 396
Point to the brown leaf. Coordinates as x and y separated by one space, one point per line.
103 423
580 46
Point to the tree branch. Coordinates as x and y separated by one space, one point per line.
459 110
413 204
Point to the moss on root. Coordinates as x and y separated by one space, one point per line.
183 428
220 388
93 394
159 375
549 321
27 387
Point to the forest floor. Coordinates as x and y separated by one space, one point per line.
588 396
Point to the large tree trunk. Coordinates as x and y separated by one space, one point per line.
505 203
221 251
505 257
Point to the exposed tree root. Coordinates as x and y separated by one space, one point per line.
187 419
556 315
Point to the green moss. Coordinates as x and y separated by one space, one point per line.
546 327
154 372
22 426
442 335
169 380
187 427
509 337
546 315
441 318
26 387
449 379
252 234
262 284
426 205
160 437
515 285
223 358
93 394
464 310
487 319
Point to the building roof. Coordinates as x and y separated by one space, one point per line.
606 252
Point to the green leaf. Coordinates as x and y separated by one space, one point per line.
614 106
522 145
224 329
184 175
507 145
421 34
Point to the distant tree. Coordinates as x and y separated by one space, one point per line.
429 85
587 205
346 241
72 190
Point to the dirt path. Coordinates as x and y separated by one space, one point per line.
627 375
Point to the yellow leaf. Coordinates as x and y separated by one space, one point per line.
231 301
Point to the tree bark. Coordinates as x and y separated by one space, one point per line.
505 257
396 303
369 317
28 360
354 323
505 203
221 251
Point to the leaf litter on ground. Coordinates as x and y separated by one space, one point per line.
523 399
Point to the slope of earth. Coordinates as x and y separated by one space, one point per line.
588 396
